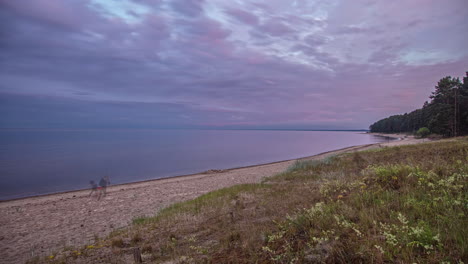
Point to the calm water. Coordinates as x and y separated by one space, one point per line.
38 162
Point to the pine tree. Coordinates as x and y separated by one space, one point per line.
463 106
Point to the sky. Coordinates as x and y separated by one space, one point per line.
302 64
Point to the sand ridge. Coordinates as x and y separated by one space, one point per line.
42 225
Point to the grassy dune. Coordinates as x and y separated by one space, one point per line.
400 205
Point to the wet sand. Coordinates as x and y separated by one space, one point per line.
42 225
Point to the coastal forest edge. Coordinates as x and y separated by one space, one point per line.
446 113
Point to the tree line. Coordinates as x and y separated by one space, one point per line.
445 114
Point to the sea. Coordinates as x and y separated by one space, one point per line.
37 162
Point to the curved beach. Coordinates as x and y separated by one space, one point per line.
42 225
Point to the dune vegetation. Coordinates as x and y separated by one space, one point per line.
404 204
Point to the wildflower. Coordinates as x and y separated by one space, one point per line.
402 219
340 196
51 257
267 249
379 248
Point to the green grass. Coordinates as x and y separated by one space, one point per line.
394 205
195 206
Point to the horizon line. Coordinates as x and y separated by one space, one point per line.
181 128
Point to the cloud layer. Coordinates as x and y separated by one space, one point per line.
174 63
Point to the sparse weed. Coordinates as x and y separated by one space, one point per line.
118 242
136 238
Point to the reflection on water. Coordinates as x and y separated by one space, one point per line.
37 162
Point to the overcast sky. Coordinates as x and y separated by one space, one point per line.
327 64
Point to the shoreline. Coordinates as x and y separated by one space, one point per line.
42 225
394 136
211 171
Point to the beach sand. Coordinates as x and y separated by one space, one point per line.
42 225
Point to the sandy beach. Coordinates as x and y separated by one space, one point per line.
42 225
